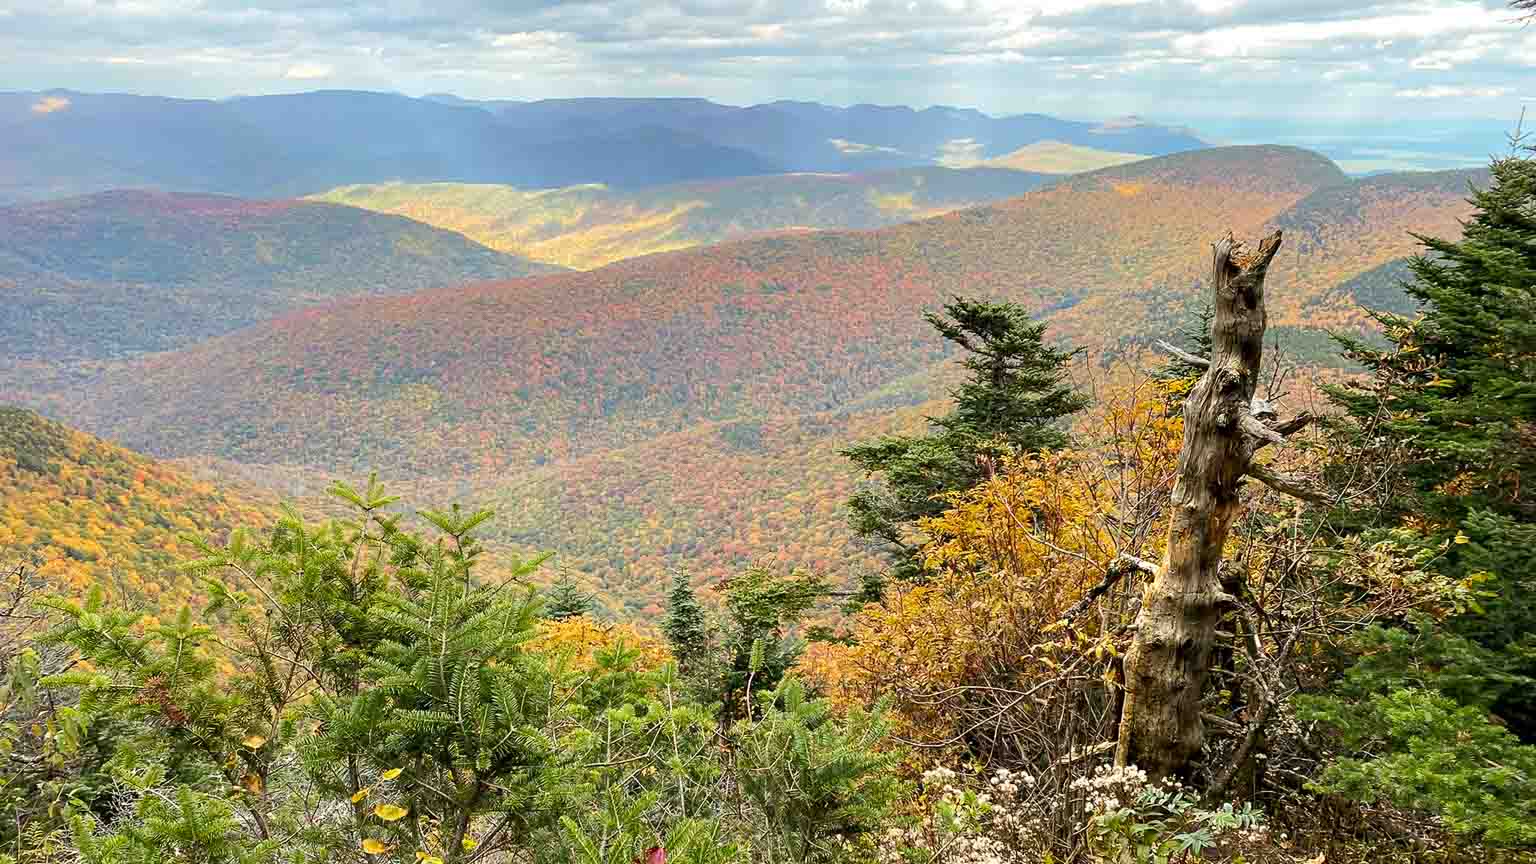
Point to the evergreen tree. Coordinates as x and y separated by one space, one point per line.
1446 426
566 600
762 608
1014 393
816 781
685 627
1455 392
1180 373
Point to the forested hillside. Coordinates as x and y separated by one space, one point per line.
589 226
158 271
757 357
88 513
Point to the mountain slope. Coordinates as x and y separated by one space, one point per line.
127 272
91 513
543 367
592 225
1337 234
664 410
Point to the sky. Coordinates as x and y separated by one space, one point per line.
1223 65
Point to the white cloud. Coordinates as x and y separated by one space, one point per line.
1440 91
308 72
1184 60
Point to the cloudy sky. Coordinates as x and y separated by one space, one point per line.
1197 61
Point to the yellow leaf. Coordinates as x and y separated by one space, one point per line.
254 742
431 859
374 847
390 812
392 773
360 795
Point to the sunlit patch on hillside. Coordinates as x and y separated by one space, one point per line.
1056 157
589 226
50 104
961 153
855 148
891 203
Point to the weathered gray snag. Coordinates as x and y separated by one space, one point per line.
1165 669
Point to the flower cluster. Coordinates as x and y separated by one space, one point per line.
1112 786
970 819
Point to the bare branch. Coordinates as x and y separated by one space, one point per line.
1187 357
1117 569
1254 428
1295 424
1084 753
1286 484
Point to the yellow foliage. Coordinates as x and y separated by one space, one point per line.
1005 564
577 640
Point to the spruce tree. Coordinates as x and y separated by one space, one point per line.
1014 394
1450 415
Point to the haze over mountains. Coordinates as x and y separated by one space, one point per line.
587 406
68 143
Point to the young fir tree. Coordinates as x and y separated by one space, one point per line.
566 600
753 647
1014 394
686 628
1179 372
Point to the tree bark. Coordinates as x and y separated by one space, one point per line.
1165 668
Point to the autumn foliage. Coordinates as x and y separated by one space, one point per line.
1009 566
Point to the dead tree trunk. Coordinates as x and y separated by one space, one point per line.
1170 653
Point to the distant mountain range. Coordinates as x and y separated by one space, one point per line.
685 409
60 143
